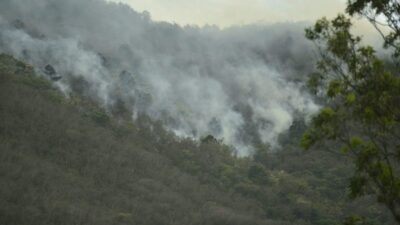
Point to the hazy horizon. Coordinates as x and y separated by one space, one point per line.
233 13
226 13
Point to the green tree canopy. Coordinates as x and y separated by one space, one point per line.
362 99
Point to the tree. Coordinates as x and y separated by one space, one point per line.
388 10
362 99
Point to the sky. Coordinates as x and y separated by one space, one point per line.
225 13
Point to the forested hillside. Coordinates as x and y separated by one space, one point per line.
64 160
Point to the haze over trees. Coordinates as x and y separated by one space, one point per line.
239 84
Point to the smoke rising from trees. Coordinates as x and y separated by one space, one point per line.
240 84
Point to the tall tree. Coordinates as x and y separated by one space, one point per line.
362 111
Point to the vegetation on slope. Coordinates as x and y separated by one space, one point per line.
66 161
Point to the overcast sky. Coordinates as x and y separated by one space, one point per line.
237 12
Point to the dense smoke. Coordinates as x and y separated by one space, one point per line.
241 84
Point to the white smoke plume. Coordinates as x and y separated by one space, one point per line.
241 84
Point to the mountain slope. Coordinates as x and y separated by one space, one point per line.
66 161
58 167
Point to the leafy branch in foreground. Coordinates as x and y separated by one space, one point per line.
384 15
362 110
